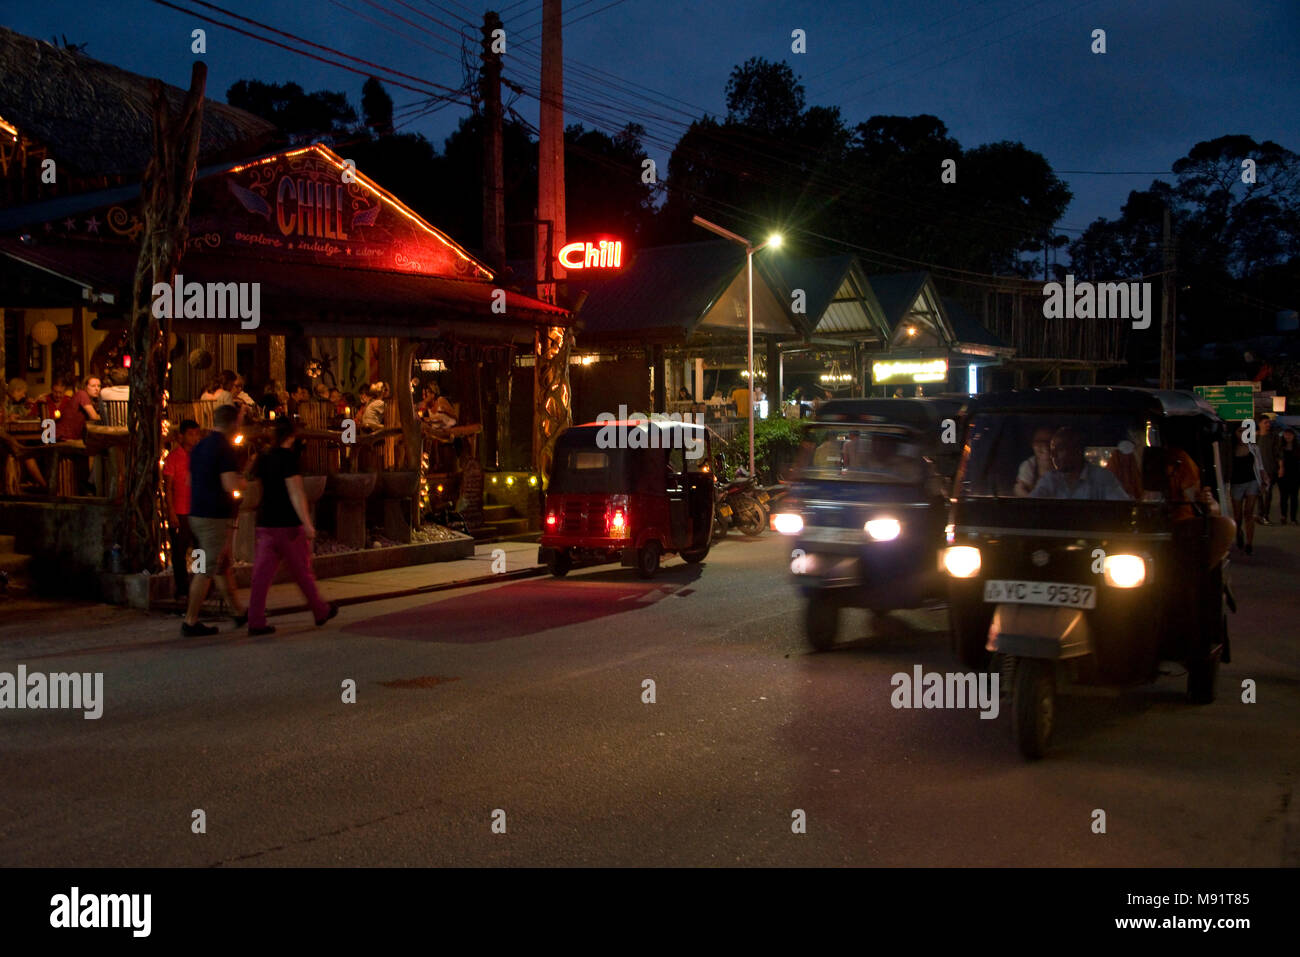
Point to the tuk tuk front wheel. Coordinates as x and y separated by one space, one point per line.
967 636
821 622
1202 672
1033 706
560 564
647 559
693 556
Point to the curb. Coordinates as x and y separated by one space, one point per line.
533 572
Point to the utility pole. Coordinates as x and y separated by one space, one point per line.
1167 307
551 396
550 148
494 191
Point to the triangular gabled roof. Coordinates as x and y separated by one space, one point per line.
838 298
899 295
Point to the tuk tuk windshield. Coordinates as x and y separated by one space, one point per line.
861 454
1075 456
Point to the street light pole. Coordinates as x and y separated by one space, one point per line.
749 267
750 249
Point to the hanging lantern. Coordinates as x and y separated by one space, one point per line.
200 359
45 332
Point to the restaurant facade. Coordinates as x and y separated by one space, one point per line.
298 270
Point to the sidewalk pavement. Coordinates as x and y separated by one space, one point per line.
520 562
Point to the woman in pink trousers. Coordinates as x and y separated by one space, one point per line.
284 530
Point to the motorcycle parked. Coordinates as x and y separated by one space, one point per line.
748 504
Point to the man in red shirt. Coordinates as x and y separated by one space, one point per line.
57 405
176 486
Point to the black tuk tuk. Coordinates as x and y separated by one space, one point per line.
867 507
629 491
1088 538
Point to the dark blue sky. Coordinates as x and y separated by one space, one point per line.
1176 71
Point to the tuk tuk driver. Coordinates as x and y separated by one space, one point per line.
1073 476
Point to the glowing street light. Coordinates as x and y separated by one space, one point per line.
774 240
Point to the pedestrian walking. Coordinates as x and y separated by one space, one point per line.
1267 442
1247 480
214 480
284 531
1288 474
176 491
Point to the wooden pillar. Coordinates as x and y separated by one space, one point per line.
278 370
661 386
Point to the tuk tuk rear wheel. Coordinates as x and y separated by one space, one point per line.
647 559
821 622
694 556
1033 706
560 564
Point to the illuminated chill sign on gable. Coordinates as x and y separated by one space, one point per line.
307 205
605 254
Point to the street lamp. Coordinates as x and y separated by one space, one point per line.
774 241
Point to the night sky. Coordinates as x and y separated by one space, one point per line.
1175 71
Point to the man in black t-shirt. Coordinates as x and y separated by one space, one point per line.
284 531
214 480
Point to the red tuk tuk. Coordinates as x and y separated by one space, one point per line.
630 491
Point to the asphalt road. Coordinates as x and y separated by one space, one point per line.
526 697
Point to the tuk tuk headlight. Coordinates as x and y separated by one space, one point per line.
883 529
788 523
962 561
1124 571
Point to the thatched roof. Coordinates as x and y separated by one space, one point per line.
96 119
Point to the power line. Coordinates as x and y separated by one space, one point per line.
263 39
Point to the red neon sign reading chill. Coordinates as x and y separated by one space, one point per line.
606 254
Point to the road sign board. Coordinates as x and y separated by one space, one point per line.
1232 402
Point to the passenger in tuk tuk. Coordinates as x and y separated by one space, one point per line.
1037 465
1073 476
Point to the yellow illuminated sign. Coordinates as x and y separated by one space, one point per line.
909 370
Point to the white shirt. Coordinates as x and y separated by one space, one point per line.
1093 483
115 393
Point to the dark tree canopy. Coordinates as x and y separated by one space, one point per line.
377 107
300 116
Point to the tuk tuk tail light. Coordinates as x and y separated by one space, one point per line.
550 520
617 517
1124 571
883 529
787 523
961 561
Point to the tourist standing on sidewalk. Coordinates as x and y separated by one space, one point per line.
284 531
214 478
176 485
1288 474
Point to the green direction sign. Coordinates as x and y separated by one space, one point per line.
1232 402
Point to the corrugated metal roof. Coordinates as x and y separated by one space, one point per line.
969 329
